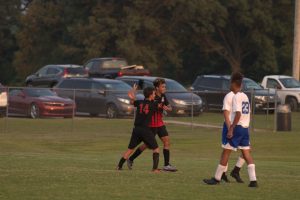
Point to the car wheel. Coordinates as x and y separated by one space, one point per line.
34 111
293 103
111 111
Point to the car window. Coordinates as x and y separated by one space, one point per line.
172 85
225 84
213 83
52 71
89 65
97 86
14 92
117 86
75 84
272 83
43 71
39 92
290 82
249 84
96 65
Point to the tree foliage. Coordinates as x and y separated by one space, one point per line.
173 38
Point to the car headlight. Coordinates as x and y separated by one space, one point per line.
124 100
180 102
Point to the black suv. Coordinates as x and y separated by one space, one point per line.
97 96
50 75
182 101
213 88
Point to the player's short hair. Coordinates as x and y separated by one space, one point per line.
159 81
237 78
148 91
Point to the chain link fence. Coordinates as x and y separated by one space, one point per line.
68 107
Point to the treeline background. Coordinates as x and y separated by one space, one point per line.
178 39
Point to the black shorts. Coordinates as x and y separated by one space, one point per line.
160 131
141 134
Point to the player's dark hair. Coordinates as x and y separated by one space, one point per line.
157 82
148 91
237 78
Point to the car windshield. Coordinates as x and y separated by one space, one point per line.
174 86
250 84
117 86
39 92
290 82
116 64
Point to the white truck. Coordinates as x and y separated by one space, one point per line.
288 89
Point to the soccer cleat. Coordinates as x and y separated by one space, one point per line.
119 168
170 168
129 164
253 184
225 178
211 181
236 176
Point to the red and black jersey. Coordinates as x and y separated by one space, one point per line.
144 112
156 120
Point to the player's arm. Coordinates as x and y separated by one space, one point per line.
131 93
226 114
236 108
167 107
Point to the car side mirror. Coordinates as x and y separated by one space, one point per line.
278 87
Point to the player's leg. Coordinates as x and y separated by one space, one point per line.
137 152
224 141
149 139
165 138
235 173
135 140
245 147
251 167
124 158
220 168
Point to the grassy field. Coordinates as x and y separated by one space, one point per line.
65 159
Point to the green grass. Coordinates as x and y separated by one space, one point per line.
48 159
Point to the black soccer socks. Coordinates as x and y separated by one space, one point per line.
121 162
167 156
135 154
155 160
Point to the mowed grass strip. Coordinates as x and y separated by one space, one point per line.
61 159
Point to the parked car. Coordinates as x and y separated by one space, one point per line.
112 68
3 100
50 75
97 96
182 101
213 88
39 102
288 89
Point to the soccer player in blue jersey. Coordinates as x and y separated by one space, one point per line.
238 133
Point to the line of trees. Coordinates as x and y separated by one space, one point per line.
173 38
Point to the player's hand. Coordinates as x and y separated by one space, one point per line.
132 92
166 108
230 133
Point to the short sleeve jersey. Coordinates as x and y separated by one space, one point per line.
144 112
157 120
240 103
227 103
